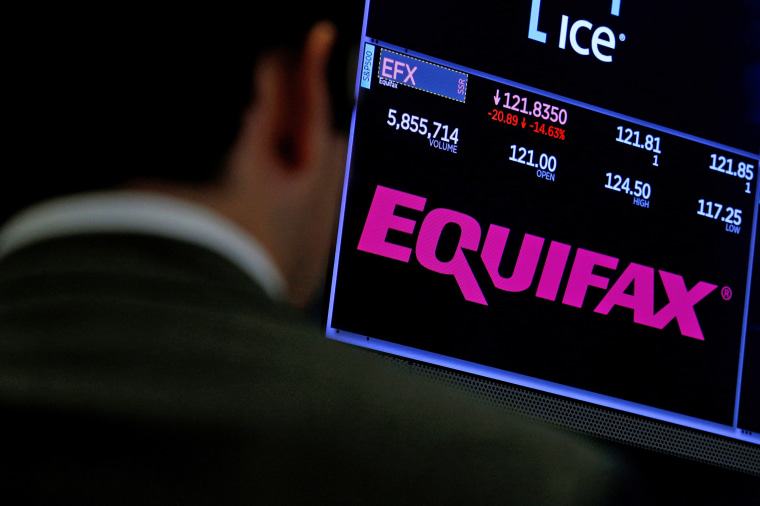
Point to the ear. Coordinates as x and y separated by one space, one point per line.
294 99
285 170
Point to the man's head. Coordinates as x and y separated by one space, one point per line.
235 108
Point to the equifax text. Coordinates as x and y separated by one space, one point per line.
634 288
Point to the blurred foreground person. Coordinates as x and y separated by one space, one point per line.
178 204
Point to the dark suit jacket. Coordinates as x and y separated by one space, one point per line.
142 370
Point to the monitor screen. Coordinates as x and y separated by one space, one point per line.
560 197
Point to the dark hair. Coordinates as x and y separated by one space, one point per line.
118 95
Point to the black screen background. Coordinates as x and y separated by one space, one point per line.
410 305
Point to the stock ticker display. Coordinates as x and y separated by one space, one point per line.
564 191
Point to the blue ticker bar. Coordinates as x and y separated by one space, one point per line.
422 75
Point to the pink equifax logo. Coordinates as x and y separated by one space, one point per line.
381 219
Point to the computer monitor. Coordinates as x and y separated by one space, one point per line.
555 204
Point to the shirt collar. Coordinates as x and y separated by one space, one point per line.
144 213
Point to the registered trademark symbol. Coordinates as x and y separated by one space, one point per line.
622 37
726 293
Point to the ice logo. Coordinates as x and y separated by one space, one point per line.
602 36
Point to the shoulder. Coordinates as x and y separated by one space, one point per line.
175 363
